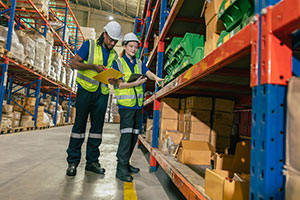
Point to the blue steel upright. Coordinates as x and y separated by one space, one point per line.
37 100
10 87
159 71
268 132
56 105
8 46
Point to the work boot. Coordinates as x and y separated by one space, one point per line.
94 167
71 171
133 169
123 173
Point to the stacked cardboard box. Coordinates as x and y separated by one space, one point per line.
231 176
168 120
197 120
27 121
213 26
222 122
16 119
149 128
72 114
7 116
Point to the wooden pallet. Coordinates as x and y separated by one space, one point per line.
3 131
42 127
17 129
28 128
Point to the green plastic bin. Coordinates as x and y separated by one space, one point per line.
225 35
188 44
232 12
170 49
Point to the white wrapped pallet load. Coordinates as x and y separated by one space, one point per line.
17 49
29 46
56 62
63 75
41 5
52 72
58 26
74 87
69 76
48 56
40 46
88 33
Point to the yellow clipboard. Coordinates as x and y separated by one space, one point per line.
109 73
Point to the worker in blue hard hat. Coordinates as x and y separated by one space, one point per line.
93 57
130 99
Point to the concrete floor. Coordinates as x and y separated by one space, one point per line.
33 166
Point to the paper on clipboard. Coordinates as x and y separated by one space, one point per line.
109 73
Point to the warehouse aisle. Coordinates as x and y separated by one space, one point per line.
33 165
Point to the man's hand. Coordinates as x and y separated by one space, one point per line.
99 68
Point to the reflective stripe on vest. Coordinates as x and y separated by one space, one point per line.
129 96
85 77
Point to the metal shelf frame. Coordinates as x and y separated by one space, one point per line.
269 42
25 77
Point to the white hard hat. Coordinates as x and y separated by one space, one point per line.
130 37
114 30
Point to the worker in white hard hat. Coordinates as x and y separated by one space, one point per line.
129 93
93 57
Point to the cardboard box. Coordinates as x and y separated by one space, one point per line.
212 10
181 125
175 136
15 123
17 116
195 152
224 105
26 118
181 115
116 118
182 104
204 103
224 162
211 43
30 101
197 127
218 187
215 26
199 137
6 108
197 115
149 123
8 115
168 112
149 136
171 102
241 162
224 118
169 124
222 130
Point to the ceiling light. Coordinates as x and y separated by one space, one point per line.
110 17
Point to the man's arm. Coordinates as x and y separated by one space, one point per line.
77 63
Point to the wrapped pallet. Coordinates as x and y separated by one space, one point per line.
74 87
29 46
52 72
40 46
48 56
89 33
43 6
17 49
69 76
57 25
63 75
56 62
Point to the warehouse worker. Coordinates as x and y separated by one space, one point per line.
93 57
130 98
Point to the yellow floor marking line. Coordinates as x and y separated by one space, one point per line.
129 191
